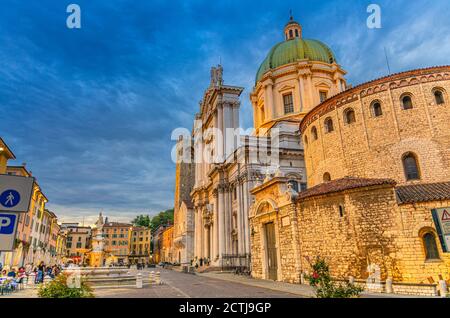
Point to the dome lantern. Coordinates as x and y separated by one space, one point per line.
293 29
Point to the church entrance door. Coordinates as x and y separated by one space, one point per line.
271 250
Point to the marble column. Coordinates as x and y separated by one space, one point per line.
301 91
228 123
205 241
203 238
221 223
255 115
225 220
311 92
215 227
199 231
236 125
228 216
220 139
195 232
269 102
245 216
211 243
239 218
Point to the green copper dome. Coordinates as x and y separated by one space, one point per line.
294 50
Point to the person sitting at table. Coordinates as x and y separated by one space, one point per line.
21 275
12 273
21 271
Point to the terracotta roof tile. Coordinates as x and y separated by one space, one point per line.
346 183
423 192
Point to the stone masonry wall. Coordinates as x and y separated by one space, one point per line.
415 219
373 147
372 230
349 243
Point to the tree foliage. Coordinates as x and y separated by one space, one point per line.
163 217
141 220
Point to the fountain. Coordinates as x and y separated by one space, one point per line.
97 274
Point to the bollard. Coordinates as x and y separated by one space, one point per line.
158 278
31 279
139 280
443 288
389 289
351 280
152 277
47 279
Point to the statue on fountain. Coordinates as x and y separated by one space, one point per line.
97 255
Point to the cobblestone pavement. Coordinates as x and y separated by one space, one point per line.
297 289
24 293
207 285
180 285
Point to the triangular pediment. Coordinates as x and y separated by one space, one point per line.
286 87
323 85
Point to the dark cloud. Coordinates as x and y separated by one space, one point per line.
91 111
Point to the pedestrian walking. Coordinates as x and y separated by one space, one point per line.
40 273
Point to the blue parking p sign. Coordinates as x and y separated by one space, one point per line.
7 223
8 228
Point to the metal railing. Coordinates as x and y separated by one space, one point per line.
239 263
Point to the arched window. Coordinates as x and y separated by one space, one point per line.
291 35
439 97
407 102
329 125
411 167
326 177
349 116
314 133
376 109
296 33
430 246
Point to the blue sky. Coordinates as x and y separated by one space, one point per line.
91 111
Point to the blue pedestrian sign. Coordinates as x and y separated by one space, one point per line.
9 198
7 223
15 193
